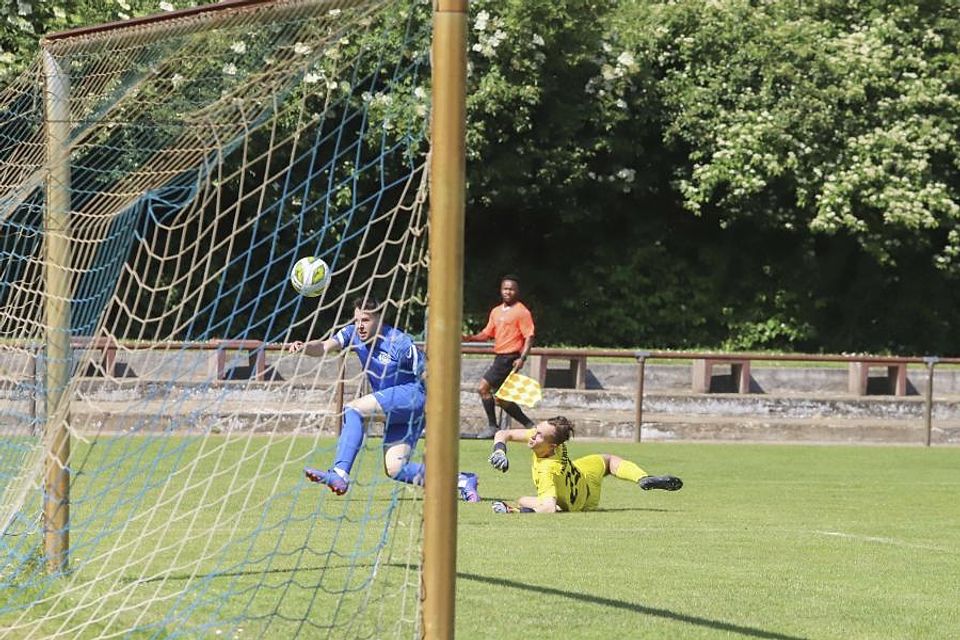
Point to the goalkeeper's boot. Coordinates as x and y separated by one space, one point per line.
667 483
330 478
467 485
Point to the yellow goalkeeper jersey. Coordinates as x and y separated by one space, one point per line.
557 477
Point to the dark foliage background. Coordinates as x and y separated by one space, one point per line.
689 174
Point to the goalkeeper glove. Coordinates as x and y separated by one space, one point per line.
503 507
498 459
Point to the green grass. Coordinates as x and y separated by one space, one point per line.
762 542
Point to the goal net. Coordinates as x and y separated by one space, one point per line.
200 156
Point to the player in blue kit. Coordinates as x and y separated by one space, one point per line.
394 366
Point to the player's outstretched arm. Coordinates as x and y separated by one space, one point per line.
544 504
526 504
315 348
501 506
511 435
498 459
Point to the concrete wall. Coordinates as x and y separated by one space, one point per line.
155 391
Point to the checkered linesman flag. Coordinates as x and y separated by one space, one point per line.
520 389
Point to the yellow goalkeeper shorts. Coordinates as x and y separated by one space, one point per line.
593 469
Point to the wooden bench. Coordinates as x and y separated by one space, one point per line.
576 366
106 363
702 373
859 374
896 375
217 363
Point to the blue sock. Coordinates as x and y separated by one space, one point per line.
351 438
411 473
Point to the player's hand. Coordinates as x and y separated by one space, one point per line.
295 346
518 363
498 460
500 506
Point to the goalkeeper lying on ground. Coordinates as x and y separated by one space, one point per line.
563 485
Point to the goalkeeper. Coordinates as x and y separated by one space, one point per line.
562 484
394 367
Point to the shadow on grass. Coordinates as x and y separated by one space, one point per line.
240 574
630 606
666 614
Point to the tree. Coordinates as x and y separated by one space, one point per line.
845 116
817 146
729 173
24 22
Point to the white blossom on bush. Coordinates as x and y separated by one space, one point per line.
490 34
480 24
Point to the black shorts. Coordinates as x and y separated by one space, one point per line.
501 368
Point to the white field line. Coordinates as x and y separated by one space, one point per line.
891 541
728 530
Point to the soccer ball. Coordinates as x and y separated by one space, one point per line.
310 276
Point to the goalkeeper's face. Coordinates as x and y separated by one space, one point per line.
367 324
541 442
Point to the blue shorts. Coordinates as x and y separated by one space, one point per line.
403 406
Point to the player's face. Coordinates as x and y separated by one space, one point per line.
541 442
509 290
367 324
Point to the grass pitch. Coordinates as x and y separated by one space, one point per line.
764 541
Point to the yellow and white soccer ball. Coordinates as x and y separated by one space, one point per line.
310 276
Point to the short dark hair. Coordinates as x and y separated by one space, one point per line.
368 303
512 277
562 429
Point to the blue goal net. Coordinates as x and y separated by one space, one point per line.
193 160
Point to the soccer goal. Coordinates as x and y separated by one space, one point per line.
159 178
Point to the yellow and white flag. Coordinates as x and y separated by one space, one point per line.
520 389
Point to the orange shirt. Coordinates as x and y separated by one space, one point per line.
509 327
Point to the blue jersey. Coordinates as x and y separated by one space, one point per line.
390 360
